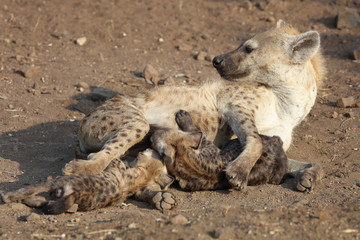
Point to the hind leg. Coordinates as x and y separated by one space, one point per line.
307 175
27 195
109 131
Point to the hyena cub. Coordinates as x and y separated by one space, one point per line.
199 165
91 192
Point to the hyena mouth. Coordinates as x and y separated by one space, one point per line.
233 76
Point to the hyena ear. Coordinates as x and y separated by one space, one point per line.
281 23
304 46
196 139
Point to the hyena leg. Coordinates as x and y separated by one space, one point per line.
121 130
27 195
243 125
307 175
154 195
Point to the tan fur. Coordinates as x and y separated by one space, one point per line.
91 192
270 85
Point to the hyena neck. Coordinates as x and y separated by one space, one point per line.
296 92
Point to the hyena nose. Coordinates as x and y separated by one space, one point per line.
217 61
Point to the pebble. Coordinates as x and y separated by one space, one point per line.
81 41
348 18
10 106
216 233
201 56
33 217
183 47
83 85
247 5
150 73
356 54
334 115
132 226
179 220
29 72
346 102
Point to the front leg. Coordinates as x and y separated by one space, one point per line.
243 125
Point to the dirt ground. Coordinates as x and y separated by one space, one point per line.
41 103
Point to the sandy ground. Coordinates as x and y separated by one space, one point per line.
40 104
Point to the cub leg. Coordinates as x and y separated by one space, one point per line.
109 131
27 195
307 175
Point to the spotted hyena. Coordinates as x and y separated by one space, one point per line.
268 85
198 164
112 186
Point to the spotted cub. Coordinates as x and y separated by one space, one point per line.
91 192
199 165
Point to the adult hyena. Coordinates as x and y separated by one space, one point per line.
268 86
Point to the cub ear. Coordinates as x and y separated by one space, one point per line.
304 46
195 139
281 23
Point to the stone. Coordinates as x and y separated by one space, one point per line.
150 73
81 41
356 54
83 85
216 233
132 226
347 18
334 115
29 72
183 47
33 217
179 220
346 102
201 56
247 5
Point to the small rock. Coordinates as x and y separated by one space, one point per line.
201 56
33 217
216 233
10 106
161 40
29 72
150 73
183 47
346 102
72 209
347 18
179 220
102 94
356 54
132 226
83 85
348 115
247 5
81 41
334 115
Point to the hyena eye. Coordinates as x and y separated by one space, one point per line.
248 49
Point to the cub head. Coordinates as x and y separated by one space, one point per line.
269 53
169 143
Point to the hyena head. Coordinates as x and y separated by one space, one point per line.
267 57
169 143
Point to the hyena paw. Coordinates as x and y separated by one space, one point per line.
236 178
308 178
81 167
164 201
184 121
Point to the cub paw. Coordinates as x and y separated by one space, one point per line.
80 167
184 121
308 178
164 201
236 178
